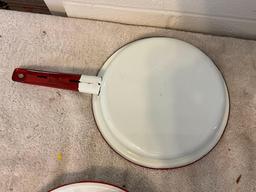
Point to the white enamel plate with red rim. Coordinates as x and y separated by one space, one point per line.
159 102
89 187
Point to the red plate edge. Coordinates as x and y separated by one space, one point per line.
88 181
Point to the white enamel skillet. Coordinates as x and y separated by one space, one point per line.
159 102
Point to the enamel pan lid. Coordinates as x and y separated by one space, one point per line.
162 103
158 102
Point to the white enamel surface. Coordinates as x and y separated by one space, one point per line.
88 187
163 103
89 84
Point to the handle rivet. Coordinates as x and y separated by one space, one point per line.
21 75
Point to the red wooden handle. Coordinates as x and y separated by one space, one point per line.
46 78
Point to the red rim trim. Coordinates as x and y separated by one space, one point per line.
89 181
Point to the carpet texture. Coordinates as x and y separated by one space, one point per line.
48 137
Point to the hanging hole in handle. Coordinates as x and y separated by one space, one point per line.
21 75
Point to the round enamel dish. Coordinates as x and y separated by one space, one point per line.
159 102
88 187
162 104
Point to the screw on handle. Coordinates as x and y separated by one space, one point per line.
46 78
